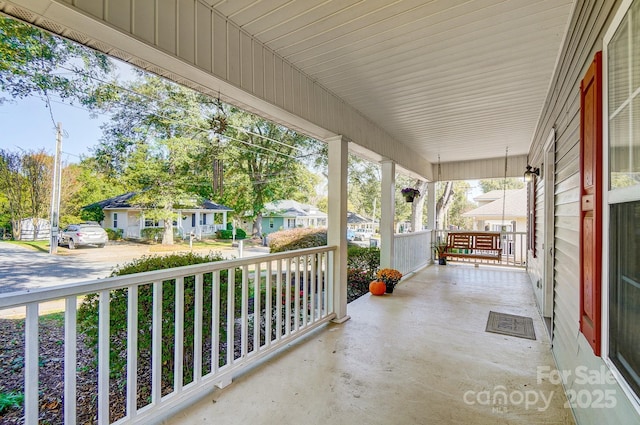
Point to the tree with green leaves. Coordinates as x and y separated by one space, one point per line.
158 142
487 185
36 63
25 181
267 163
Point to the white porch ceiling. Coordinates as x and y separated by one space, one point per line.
459 79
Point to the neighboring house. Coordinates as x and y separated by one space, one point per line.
42 229
288 214
121 213
490 214
356 221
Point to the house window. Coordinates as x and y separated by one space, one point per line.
115 220
193 220
271 223
291 223
148 222
622 56
204 219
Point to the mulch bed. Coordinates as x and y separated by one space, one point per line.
51 373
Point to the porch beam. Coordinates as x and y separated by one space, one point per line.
387 213
337 221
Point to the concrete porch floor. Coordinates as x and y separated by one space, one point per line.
419 356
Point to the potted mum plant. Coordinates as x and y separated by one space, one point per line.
410 193
390 277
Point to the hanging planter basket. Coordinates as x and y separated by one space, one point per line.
410 193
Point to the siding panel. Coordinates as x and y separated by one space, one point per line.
571 349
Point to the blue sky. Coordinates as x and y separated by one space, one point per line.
26 124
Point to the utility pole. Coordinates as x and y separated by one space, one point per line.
55 192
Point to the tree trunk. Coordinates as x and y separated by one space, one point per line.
417 207
167 236
257 225
443 204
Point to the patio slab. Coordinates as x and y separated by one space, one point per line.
418 356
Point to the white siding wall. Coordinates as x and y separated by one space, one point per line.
562 109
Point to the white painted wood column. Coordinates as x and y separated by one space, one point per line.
387 213
337 222
431 205
224 220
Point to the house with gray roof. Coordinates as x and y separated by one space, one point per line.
289 214
498 209
122 212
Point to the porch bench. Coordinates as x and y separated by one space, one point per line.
476 245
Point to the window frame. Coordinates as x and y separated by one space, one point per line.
611 197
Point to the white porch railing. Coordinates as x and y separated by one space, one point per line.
255 307
412 250
208 229
513 244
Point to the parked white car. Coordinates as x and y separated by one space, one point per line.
362 234
76 235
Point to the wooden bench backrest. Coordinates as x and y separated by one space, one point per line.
474 240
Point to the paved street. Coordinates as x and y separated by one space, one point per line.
23 268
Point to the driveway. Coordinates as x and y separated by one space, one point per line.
23 268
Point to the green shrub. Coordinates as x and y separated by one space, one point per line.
228 234
88 313
362 266
150 233
114 235
92 213
292 239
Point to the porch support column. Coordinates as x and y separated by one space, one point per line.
387 213
337 222
224 220
431 205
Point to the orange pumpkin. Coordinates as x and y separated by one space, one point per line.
377 287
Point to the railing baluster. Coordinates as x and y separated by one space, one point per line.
244 329
288 304
296 294
279 300
70 357
313 282
31 354
197 329
103 357
230 316
257 311
268 308
304 283
215 322
178 356
331 282
156 343
132 351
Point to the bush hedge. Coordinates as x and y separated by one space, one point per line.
150 233
114 235
228 234
88 312
362 263
292 239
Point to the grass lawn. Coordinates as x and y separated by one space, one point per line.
42 246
